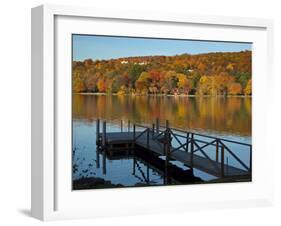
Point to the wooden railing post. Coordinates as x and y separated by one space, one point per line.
121 125
129 125
187 142
97 131
157 125
168 143
222 161
217 150
192 149
104 134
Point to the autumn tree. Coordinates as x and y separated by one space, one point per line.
248 88
183 83
209 73
101 85
234 88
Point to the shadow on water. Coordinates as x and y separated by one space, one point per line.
145 166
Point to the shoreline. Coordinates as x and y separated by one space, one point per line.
162 95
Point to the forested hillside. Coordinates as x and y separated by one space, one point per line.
203 74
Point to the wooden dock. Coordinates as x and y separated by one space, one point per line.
190 149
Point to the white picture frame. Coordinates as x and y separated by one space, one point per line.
51 197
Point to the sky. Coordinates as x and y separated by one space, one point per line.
110 47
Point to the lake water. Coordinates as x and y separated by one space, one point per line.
219 116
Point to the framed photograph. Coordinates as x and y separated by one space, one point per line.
142 113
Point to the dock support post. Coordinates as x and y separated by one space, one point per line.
97 131
134 136
187 142
167 145
121 125
250 165
226 165
97 159
153 128
103 163
147 174
104 134
147 139
192 150
129 125
217 150
167 124
134 166
222 161
157 125
166 162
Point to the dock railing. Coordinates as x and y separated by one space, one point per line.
198 143
216 150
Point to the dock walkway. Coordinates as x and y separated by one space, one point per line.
192 152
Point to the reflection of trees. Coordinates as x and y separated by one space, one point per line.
220 114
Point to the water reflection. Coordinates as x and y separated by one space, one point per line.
230 115
226 117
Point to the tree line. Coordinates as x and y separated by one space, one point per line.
227 73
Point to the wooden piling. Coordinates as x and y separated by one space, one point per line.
222 161
153 128
97 131
187 142
103 163
167 124
167 153
147 139
157 125
97 159
217 150
104 134
226 165
134 166
129 125
169 142
192 150
134 136
147 174
250 165
121 125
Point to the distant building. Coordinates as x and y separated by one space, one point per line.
141 63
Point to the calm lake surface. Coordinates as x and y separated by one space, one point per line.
222 117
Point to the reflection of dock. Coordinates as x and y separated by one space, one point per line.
171 174
206 153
